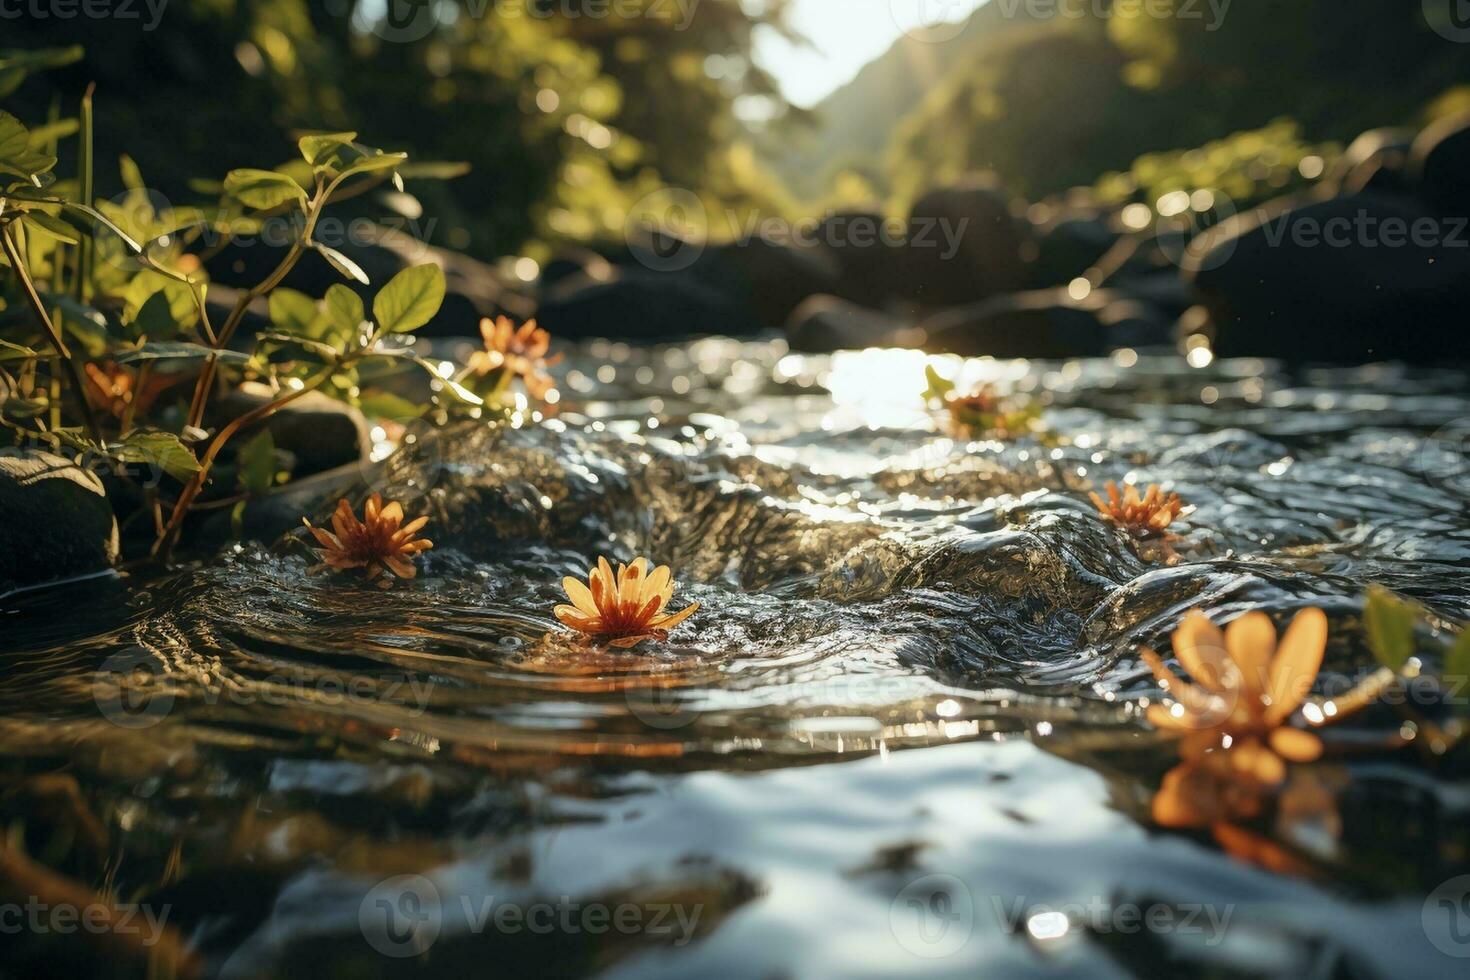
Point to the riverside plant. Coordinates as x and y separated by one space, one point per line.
108 349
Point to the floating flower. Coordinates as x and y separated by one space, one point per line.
623 609
1143 517
518 351
984 413
1246 687
380 540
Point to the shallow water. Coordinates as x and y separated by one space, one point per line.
901 736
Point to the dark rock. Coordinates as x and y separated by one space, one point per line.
57 522
1134 323
1042 323
1440 163
826 323
1068 248
1376 162
1338 280
271 515
641 306
870 254
965 244
318 431
768 278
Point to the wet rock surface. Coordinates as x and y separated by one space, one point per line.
55 520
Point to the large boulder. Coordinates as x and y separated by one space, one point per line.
769 278
1069 247
826 323
870 253
641 306
1440 163
319 432
55 519
1350 279
1041 323
1376 162
965 244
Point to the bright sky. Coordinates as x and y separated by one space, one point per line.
845 35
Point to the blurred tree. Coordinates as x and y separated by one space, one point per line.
532 93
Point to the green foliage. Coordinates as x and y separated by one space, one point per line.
410 299
1389 624
262 189
255 463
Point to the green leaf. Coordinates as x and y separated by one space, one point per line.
1389 623
387 405
434 169
293 312
317 148
16 65
262 189
294 343
367 164
146 284
15 352
178 351
54 227
48 133
17 156
344 311
85 325
153 447
341 263
1457 658
410 299
938 387
256 463
132 177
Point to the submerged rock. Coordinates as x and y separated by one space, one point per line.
768 278
55 520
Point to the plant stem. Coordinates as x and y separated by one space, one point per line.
169 536
79 389
85 151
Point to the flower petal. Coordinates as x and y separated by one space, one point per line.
1200 647
581 596
669 622
399 567
1295 745
655 584
575 618
1297 661
1187 798
1251 640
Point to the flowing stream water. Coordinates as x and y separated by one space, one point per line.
901 737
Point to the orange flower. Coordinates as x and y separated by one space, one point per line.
380 540
519 351
1246 687
113 388
984 414
623 609
1143 517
